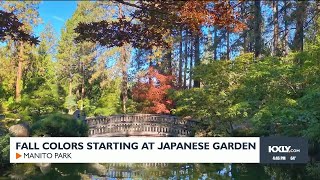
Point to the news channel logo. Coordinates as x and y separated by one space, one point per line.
290 150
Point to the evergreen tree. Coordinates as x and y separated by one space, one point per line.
27 13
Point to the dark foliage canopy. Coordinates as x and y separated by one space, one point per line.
150 22
10 26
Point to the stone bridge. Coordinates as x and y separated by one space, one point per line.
139 125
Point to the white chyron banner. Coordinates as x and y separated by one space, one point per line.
134 149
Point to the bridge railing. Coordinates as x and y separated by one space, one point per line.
139 125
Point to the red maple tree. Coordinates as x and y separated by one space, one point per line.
151 92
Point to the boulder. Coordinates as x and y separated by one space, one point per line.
97 169
78 114
20 130
45 167
2 129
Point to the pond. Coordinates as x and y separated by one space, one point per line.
155 171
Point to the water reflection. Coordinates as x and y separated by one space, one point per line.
164 171
157 171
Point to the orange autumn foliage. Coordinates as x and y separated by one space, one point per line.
219 13
151 92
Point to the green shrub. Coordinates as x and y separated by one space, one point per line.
59 125
4 151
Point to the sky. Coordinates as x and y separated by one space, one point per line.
56 13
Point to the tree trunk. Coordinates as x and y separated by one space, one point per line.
286 29
150 65
124 84
257 29
185 60
245 42
180 60
82 93
168 58
245 32
300 17
215 44
228 44
70 87
191 62
228 40
196 83
70 94
123 62
276 28
19 73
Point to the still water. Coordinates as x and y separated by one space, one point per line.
156 171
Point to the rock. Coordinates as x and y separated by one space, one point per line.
98 169
85 176
2 130
187 118
45 167
79 115
20 130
